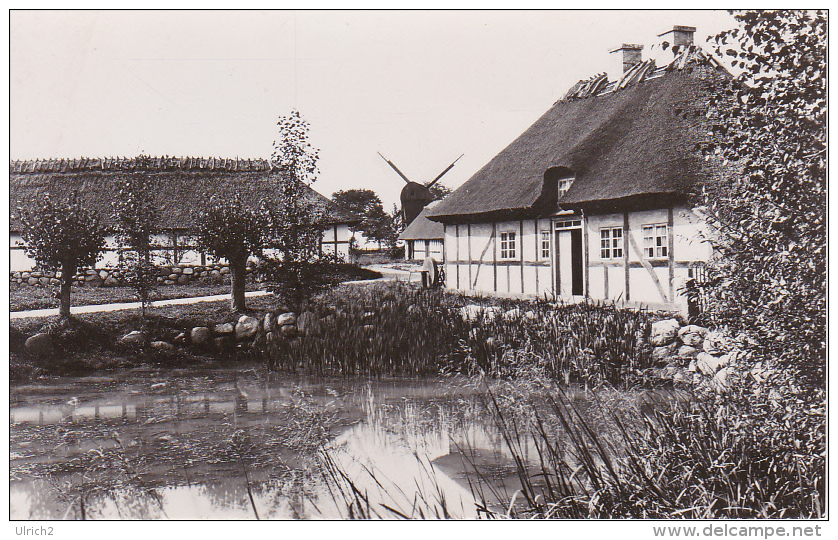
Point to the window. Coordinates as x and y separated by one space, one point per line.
654 241
611 243
507 245
564 185
545 244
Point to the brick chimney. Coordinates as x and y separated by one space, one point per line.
624 57
680 36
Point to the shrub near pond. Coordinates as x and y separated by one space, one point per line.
399 330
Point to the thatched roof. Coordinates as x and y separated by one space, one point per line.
181 185
422 228
629 140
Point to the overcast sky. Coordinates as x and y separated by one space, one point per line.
419 87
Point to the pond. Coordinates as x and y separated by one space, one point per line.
241 443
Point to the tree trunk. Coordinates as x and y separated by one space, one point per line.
68 271
238 274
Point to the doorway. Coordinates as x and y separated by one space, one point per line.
569 259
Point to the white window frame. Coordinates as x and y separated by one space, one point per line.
544 245
508 245
564 185
611 243
655 241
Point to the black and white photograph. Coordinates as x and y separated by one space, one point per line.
326 265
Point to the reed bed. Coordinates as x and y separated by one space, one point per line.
398 330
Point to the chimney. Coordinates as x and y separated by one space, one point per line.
680 36
623 58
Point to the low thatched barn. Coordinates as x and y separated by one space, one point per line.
424 238
181 185
594 199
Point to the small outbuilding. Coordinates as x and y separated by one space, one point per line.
424 238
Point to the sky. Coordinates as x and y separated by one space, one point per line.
420 87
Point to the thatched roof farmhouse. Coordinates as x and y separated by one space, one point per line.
594 199
181 185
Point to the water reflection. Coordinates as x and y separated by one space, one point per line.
142 445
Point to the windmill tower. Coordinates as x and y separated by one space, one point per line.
415 196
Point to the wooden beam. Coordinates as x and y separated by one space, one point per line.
457 251
605 280
521 225
468 239
626 233
585 248
494 254
537 235
670 251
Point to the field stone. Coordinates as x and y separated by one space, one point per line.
188 271
43 281
181 338
720 382
111 282
692 335
103 274
37 274
200 335
177 270
54 281
39 345
215 272
288 330
162 346
709 364
664 332
223 328
32 281
268 322
172 277
286 318
133 338
26 275
225 270
716 343
663 352
183 279
221 341
247 327
685 351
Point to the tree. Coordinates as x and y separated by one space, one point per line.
229 228
367 205
63 236
136 217
771 217
295 218
439 191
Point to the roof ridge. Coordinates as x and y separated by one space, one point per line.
600 85
139 163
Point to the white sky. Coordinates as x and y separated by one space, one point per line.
419 87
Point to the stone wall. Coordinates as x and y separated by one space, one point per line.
112 277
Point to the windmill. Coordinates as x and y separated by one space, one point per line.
416 196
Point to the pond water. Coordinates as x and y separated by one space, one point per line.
235 443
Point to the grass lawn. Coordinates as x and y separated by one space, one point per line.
26 298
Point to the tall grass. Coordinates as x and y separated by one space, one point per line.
400 330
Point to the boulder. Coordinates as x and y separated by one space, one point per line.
286 318
721 381
716 343
177 270
215 273
26 275
173 277
281 309
307 322
183 279
111 282
288 330
200 335
39 345
32 281
37 274
162 346
135 338
692 335
168 282
709 364
54 281
663 352
188 271
103 274
685 351
225 270
43 281
268 322
247 327
223 329
90 272
664 332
